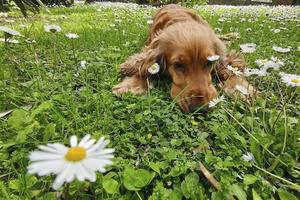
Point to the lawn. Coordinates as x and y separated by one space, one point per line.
57 87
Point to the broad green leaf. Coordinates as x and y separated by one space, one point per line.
18 119
285 195
256 150
111 186
136 179
49 132
42 107
22 134
143 178
14 184
255 195
190 185
155 167
238 192
249 179
30 181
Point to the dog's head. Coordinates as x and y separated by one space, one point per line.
182 50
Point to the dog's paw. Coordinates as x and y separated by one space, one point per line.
130 84
239 86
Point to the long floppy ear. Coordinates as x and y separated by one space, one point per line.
233 59
138 64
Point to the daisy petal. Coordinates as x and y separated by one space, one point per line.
73 141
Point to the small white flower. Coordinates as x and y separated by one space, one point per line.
3 14
275 30
234 70
9 31
80 161
71 35
242 89
9 40
52 28
248 48
213 58
292 80
30 41
150 21
258 72
274 63
215 101
248 29
261 62
281 49
248 157
221 20
154 69
83 64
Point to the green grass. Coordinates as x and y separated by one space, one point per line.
148 132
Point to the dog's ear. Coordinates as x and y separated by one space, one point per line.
138 64
233 59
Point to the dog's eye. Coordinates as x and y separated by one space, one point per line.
179 66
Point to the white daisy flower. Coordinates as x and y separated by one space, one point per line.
261 62
234 70
292 80
274 63
83 64
242 89
71 35
9 31
221 20
281 49
52 28
248 157
275 30
150 21
80 161
9 40
213 58
154 69
3 14
215 101
248 48
258 72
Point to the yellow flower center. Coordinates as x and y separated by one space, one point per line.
75 154
295 81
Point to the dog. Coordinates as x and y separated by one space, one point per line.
181 42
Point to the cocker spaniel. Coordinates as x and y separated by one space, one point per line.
181 43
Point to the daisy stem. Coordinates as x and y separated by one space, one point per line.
284 104
278 177
74 55
137 194
251 135
66 191
273 166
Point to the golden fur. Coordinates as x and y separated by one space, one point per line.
180 41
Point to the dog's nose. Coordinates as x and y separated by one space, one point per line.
200 108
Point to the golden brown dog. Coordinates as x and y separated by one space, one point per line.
180 41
